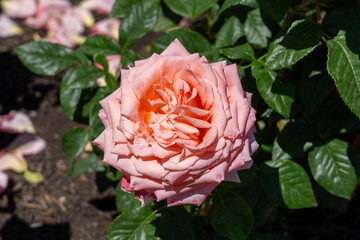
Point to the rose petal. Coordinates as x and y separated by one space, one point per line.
12 161
4 182
16 122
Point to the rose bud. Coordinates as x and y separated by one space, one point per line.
177 127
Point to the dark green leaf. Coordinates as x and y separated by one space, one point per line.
45 58
189 8
347 19
330 164
81 77
229 33
230 215
230 3
101 59
111 82
277 92
128 58
256 31
99 45
298 41
82 57
140 19
173 221
98 94
344 68
300 133
133 224
243 51
122 7
69 100
72 84
276 9
163 23
294 183
314 84
87 165
73 143
192 41
262 236
102 182
96 126
213 55
125 201
262 209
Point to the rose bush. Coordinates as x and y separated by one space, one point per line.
177 127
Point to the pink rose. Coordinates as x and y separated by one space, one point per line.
177 127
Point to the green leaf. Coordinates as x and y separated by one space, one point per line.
140 19
344 68
87 165
294 183
122 7
243 51
230 3
256 31
299 40
111 83
102 60
163 23
73 82
193 42
262 236
96 125
277 92
300 133
81 77
100 45
347 19
262 208
314 84
230 215
173 221
330 164
102 182
33 177
133 224
128 58
229 33
45 58
275 9
189 8
125 201
73 143
96 95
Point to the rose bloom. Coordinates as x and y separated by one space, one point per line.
177 127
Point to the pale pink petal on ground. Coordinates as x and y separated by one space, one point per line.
19 8
100 6
107 27
4 182
27 144
8 27
12 161
16 122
